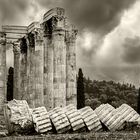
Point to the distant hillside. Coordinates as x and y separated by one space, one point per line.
98 92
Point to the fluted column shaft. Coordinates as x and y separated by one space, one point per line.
71 92
16 50
59 47
23 70
2 69
48 67
39 69
31 69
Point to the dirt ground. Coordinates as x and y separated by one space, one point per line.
79 136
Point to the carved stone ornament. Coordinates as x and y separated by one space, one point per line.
2 38
16 47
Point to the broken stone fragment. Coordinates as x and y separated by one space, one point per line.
18 117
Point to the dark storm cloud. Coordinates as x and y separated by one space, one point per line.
131 50
9 9
99 15
50 3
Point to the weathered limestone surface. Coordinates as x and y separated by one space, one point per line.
16 50
71 90
18 117
2 69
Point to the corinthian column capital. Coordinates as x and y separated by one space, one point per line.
16 47
71 35
2 38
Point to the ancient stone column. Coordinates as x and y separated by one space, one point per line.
39 68
16 50
31 69
23 70
71 92
48 65
2 69
59 61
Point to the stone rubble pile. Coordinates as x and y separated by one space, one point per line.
22 119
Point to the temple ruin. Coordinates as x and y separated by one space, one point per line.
44 61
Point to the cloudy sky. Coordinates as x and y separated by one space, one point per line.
108 43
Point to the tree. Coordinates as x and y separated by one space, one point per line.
10 84
138 104
80 90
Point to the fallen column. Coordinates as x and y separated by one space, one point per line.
16 50
71 90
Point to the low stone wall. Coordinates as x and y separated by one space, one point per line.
79 136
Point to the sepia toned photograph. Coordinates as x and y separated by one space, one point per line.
69 69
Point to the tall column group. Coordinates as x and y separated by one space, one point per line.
45 63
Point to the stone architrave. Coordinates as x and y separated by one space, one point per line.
16 50
2 69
